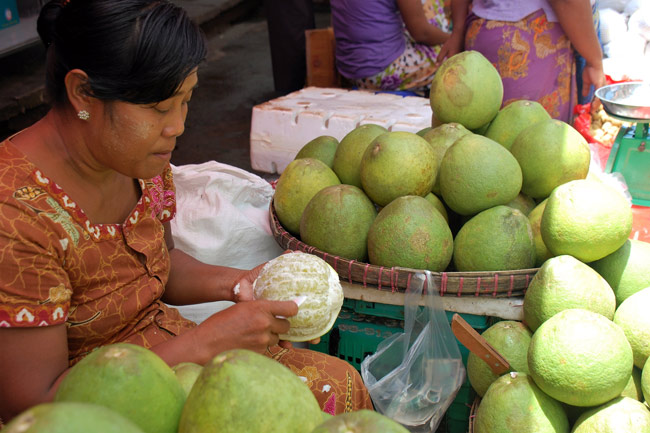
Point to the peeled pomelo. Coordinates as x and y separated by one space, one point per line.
70 417
514 118
515 404
131 380
438 204
409 232
361 421
440 139
322 148
298 183
620 415
347 159
586 219
396 164
510 339
466 89
542 253
580 358
186 373
497 239
565 282
626 269
336 221
550 154
243 391
307 277
477 173
633 316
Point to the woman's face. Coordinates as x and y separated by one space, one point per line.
138 140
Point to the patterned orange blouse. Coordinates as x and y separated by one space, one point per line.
104 281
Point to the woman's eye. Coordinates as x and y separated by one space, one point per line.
161 110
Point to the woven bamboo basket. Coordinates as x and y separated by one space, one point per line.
472 414
495 284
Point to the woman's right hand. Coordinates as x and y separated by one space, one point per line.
253 325
451 47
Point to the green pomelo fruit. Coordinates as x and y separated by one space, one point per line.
511 340
336 221
361 421
564 282
550 154
477 173
514 118
347 159
633 388
440 139
423 131
627 269
131 380
70 417
322 148
438 204
310 278
243 391
514 404
497 239
580 358
542 253
298 184
466 89
186 373
633 316
621 415
522 203
396 164
409 232
645 381
585 219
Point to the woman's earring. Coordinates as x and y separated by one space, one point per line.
83 115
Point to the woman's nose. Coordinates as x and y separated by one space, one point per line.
176 124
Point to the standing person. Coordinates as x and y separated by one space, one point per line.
389 44
86 196
287 21
531 44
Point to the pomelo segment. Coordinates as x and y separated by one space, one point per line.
580 358
303 276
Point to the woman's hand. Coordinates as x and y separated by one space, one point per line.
592 75
453 46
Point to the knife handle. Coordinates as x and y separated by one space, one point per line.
476 344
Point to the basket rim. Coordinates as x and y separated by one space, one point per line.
508 283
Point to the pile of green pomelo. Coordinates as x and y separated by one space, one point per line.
488 189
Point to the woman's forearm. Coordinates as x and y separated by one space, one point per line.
576 19
193 282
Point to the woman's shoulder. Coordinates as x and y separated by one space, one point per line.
15 169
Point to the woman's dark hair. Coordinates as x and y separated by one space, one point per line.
137 51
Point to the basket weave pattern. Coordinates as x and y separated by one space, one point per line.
397 279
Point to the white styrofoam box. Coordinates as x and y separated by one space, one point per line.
282 126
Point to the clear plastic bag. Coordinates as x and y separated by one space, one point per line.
414 376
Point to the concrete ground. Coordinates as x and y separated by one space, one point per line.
235 77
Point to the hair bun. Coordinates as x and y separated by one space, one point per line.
45 25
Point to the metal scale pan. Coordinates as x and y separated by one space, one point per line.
630 153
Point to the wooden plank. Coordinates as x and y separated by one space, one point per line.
321 62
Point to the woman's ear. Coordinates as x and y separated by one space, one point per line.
76 84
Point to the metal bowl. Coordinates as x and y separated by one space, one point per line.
628 100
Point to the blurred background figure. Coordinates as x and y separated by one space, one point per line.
389 44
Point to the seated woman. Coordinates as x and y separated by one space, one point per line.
389 44
86 196
531 44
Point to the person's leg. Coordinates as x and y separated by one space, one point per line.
287 22
337 386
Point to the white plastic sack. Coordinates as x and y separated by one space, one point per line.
634 5
639 23
617 5
612 25
628 47
222 218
